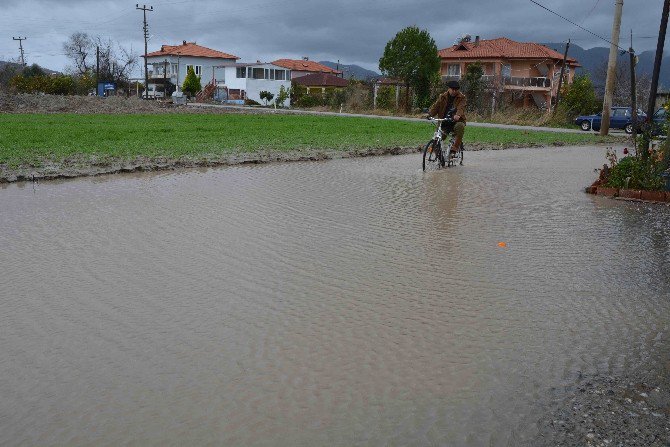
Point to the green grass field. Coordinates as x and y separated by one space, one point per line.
30 139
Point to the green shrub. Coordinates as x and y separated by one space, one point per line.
386 97
636 173
283 95
52 85
192 83
579 98
309 101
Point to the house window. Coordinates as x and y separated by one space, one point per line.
506 70
280 75
258 73
454 70
241 72
196 68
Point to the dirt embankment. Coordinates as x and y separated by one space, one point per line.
27 103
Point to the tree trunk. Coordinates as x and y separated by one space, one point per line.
407 106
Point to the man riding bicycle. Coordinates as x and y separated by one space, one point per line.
451 99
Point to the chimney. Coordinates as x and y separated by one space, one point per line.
305 58
476 41
183 42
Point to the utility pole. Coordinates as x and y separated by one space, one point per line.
21 39
97 69
654 77
611 69
633 94
560 80
144 9
165 79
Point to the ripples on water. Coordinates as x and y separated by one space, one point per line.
349 302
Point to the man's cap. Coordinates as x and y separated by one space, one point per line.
454 84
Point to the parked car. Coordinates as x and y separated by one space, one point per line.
620 118
660 122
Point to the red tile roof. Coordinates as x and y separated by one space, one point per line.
303 65
321 80
502 48
190 49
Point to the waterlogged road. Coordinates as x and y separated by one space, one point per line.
347 302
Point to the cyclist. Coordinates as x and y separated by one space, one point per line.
451 99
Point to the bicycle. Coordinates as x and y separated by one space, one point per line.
433 152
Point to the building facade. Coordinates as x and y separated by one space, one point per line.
221 75
303 67
526 73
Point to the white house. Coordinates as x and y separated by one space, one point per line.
169 65
242 81
219 72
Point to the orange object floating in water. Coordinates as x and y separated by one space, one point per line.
502 244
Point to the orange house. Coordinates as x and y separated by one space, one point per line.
528 73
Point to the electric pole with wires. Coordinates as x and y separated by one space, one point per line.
146 38
611 69
21 39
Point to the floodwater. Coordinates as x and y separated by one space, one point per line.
346 302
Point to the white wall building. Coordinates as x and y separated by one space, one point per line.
233 81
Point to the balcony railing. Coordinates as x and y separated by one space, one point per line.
511 81
527 82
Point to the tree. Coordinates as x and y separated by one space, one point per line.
191 83
32 71
621 94
116 62
579 98
411 56
266 96
473 85
283 95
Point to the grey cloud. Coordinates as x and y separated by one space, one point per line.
349 30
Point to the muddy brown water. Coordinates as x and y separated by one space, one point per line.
346 302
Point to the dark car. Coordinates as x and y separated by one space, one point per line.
620 118
660 122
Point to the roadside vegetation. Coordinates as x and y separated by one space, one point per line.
33 138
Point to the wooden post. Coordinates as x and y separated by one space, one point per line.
611 69
560 79
654 79
633 98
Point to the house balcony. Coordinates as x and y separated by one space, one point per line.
532 83
509 82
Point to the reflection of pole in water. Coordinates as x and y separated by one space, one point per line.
35 180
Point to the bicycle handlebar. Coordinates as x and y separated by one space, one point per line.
430 118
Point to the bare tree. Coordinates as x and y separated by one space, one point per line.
78 49
115 62
621 95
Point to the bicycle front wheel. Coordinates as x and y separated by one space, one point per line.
432 156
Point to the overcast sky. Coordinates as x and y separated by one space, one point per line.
353 31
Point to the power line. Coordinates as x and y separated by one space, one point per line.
578 26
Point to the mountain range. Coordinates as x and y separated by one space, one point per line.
352 71
594 59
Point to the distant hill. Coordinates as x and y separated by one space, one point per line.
14 65
352 71
594 58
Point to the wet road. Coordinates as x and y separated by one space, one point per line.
346 302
